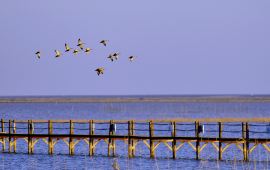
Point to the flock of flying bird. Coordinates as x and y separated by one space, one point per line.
99 70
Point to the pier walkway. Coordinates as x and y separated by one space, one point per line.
245 134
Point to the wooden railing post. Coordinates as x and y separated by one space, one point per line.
219 141
133 141
247 141
9 137
173 128
197 139
244 141
130 139
91 139
30 142
71 132
111 143
152 144
50 141
113 140
14 139
3 138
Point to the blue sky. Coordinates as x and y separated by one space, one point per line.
183 47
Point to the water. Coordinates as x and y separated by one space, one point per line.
185 157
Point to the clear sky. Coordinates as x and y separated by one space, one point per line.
183 47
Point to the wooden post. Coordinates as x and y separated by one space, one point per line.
9 137
244 140
247 141
3 138
14 139
219 141
173 128
50 141
152 144
71 131
91 140
130 140
30 130
133 141
197 139
113 140
111 143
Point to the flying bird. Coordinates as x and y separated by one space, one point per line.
87 50
116 55
104 42
81 46
131 58
38 54
111 57
75 51
100 70
80 43
57 53
67 47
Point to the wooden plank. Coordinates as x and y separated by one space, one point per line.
223 120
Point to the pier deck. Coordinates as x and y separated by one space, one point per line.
246 134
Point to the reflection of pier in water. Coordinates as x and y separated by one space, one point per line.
245 134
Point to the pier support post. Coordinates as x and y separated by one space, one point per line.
50 141
3 138
173 128
247 141
133 141
131 148
219 141
245 137
30 140
71 132
197 139
151 134
91 140
14 139
9 138
111 143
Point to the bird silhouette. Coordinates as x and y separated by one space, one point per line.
57 53
87 50
67 47
100 70
104 42
111 57
80 44
38 54
75 51
131 58
116 55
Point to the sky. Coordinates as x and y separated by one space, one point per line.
182 47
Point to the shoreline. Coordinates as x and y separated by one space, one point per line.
135 99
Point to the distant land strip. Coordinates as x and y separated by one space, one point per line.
202 99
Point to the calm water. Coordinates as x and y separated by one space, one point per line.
185 157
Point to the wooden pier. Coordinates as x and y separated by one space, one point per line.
245 134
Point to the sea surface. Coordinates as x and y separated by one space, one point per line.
259 159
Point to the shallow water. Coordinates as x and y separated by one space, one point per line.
185 157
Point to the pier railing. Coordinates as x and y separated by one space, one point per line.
197 133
